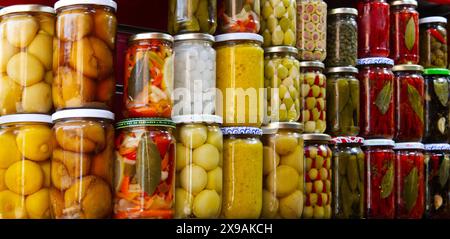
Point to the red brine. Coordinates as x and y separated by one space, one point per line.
404 34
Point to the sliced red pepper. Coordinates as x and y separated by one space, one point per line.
143 112
163 144
436 34
131 156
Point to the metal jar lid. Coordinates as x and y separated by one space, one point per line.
239 37
409 145
194 36
65 3
316 137
315 64
404 2
281 49
26 8
143 122
343 10
242 131
274 127
379 142
432 20
25 118
407 67
437 71
204 118
82 113
375 61
344 69
437 147
151 36
348 140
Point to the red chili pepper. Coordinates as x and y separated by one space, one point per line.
436 34
131 156
163 143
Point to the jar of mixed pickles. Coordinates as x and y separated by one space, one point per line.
198 167
313 96
343 101
195 74
312 30
283 171
239 16
279 22
404 32
379 179
282 81
242 173
82 164
409 180
433 42
317 189
26 59
437 181
240 74
83 56
342 37
436 108
377 97
144 169
409 98
25 152
348 178
192 16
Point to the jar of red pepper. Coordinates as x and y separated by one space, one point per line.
373 28
409 99
376 97
379 179
433 42
404 32
409 180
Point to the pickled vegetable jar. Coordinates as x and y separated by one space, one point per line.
437 181
192 16
373 28
318 172
242 173
313 96
312 30
240 79
379 179
282 81
342 37
409 98
82 164
436 108
25 151
83 55
199 167
283 171
377 97
239 16
409 180
433 42
348 178
343 101
26 59
279 22
144 169
404 32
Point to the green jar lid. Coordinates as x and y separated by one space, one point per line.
139 122
437 71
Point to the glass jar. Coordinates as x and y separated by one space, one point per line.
317 189
149 76
409 98
83 57
195 74
436 108
26 59
313 96
282 81
379 179
377 97
144 169
312 30
348 178
199 167
342 37
279 22
82 164
239 16
26 148
404 32
187 16
342 101
433 42
437 181
373 28
409 180
242 173
283 171
240 74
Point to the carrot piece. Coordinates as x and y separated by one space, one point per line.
125 185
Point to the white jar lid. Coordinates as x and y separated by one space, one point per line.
26 8
409 145
432 20
65 3
379 142
239 36
83 113
26 118
186 119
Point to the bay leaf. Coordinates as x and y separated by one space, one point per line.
139 77
411 189
387 182
441 90
410 34
444 171
415 101
383 99
148 163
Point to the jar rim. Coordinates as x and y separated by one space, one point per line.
151 36
432 20
316 64
316 137
281 49
25 118
194 36
379 142
342 69
343 10
82 113
408 67
409 145
142 122
192 119
275 126
404 2
64 3
241 131
26 8
239 36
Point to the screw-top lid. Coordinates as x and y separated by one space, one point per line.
281 49
436 71
343 10
194 36
186 119
345 69
142 122
404 2
437 147
239 36
65 3
26 8
409 145
151 36
407 67
316 64
83 113
375 61
432 20
25 118
241 131
379 142
316 137
347 140
274 127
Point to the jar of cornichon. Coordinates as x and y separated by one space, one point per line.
313 96
187 16
282 81
318 173
436 108
283 171
242 173
404 32
279 22
199 166
342 101
348 178
433 42
342 37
